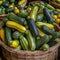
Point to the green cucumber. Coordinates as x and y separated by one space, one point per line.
41 41
55 12
48 16
45 47
50 7
56 35
32 27
13 17
16 34
8 10
31 41
23 13
52 42
5 4
23 42
8 35
47 30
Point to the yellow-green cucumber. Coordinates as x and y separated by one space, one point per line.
23 42
8 35
31 41
33 13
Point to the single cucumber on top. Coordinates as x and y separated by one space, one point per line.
48 16
32 27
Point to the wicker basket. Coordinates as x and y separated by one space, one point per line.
13 54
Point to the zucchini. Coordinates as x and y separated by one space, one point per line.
2 34
52 42
33 13
16 26
39 24
31 41
47 30
23 42
41 41
8 35
16 34
23 13
55 12
1 2
50 11
56 35
13 17
39 17
12 1
5 4
48 16
45 47
8 10
32 27
50 7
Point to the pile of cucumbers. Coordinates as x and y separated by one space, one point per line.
33 28
7 6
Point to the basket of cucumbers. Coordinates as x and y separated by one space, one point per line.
33 33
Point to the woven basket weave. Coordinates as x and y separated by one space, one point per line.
13 54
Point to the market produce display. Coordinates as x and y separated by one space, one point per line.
7 6
31 27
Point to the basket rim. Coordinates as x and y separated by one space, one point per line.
37 52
